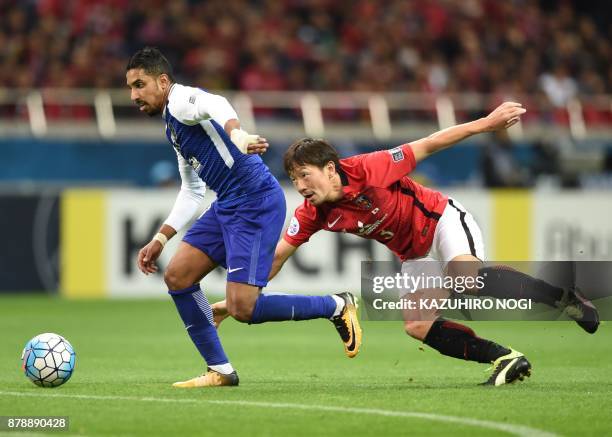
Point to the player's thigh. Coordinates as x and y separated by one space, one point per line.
187 267
206 235
251 232
201 250
458 242
424 280
457 233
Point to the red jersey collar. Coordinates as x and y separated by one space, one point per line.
348 191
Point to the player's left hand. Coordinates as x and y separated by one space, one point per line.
261 146
504 116
248 143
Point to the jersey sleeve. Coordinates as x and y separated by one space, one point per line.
304 223
385 167
192 105
189 198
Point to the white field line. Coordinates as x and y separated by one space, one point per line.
519 430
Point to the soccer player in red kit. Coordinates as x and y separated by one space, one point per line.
371 196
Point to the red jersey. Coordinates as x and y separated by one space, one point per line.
380 202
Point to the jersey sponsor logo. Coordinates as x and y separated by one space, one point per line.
331 224
363 202
294 227
367 229
397 154
192 99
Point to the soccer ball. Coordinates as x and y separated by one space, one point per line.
48 360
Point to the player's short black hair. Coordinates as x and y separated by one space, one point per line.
152 61
309 151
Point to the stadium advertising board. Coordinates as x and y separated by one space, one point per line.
29 252
105 229
102 232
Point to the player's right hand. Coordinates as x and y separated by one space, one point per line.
148 255
504 116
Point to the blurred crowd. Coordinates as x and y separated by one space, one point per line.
556 48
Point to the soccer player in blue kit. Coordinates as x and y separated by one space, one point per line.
239 231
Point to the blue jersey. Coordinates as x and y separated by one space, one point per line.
205 145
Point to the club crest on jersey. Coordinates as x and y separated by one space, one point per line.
363 202
397 154
294 227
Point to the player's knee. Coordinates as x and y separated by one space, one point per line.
175 281
417 330
241 311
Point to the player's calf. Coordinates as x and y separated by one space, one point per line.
459 341
503 282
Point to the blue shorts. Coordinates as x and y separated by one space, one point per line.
242 238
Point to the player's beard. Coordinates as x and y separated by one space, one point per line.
153 112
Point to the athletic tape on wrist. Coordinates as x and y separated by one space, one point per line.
161 238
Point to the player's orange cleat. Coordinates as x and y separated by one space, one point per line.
210 379
347 325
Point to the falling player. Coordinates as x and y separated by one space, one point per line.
371 196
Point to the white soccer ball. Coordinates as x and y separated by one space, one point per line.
48 360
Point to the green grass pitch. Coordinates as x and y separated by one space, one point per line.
295 379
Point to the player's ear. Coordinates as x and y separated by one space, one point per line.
331 169
163 81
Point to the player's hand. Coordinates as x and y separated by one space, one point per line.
220 312
248 143
505 115
259 147
147 257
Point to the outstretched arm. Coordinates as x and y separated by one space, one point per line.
504 116
282 253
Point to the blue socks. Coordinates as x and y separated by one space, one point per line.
197 315
279 307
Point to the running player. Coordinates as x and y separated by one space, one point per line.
238 231
371 196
